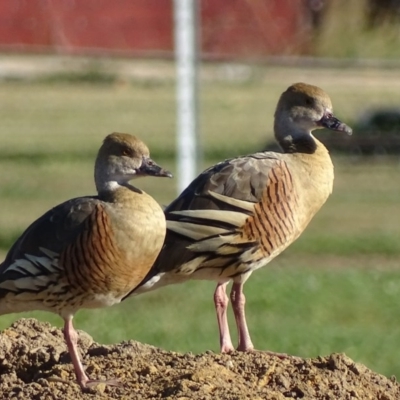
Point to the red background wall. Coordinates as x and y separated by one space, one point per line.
233 28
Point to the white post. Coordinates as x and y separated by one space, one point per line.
185 14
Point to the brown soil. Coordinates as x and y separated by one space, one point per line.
34 365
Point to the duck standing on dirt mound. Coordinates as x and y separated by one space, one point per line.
238 215
88 252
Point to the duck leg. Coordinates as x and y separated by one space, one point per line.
238 302
71 338
221 302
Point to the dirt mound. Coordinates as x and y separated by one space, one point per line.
34 364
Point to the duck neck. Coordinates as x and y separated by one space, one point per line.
294 137
110 187
305 143
114 192
107 186
107 180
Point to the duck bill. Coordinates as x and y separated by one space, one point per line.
334 124
149 167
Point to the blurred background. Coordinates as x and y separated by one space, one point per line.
71 72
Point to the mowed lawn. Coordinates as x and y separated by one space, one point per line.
335 290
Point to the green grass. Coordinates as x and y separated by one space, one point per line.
335 290
299 309
345 34
374 244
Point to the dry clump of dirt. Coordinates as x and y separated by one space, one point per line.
34 364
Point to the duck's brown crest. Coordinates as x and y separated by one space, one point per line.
303 94
309 90
124 142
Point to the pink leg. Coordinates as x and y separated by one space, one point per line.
238 302
71 338
221 302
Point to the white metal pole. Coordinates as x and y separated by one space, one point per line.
185 15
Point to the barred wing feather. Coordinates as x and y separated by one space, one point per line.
232 218
32 264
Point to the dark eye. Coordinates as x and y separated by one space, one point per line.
309 101
126 152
